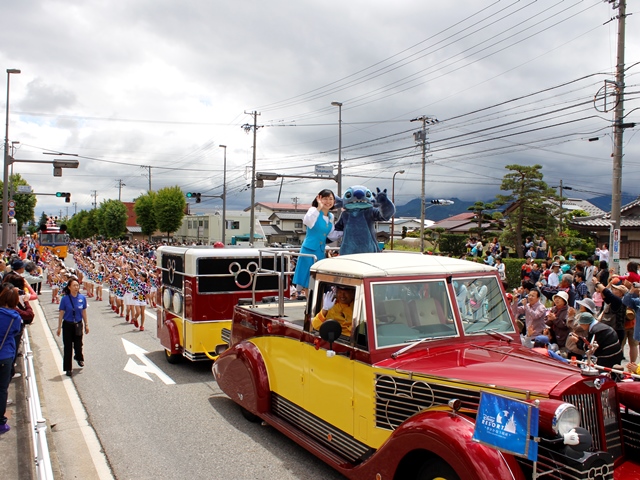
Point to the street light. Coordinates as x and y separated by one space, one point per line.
224 195
339 105
393 200
5 186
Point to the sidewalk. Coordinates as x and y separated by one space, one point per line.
73 446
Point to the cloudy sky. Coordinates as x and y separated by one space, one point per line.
128 85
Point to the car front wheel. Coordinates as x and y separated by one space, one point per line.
437 470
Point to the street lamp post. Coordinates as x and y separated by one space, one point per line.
339 105
13 154
224 195
393 200
5 186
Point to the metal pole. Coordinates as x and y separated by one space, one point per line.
616 180
252 217
393 200
5 185
339 105
224 196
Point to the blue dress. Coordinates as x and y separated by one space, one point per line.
318 228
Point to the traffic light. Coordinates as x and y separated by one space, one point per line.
194 195
66 195
437 202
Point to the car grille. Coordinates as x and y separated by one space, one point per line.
226 335
329 436
554 465
591 406
631 434
397 398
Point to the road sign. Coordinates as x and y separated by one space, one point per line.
12 213
23 189
324 170
11 204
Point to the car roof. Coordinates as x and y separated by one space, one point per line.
391 264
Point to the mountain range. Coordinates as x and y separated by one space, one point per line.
440 212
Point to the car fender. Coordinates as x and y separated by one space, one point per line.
446 435
242 375
174 337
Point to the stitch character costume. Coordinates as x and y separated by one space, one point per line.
358 218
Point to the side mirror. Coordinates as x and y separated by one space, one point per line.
330 331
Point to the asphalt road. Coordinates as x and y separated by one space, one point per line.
157 420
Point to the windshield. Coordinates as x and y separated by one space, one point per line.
54 238
482 305
408 312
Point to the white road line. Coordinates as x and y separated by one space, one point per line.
89 434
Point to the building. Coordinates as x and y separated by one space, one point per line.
600 226
207 229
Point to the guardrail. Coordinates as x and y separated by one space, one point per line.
38 423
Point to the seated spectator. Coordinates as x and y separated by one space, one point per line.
502 271
534 275
565 285
608 351
582 291
489 260
525 270
586 305
554 275
557 318
534 312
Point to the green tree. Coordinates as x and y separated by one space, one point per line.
145 213
481 211
25 202
112 216
169 206
531 197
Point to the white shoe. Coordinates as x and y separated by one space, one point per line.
17 375
9 402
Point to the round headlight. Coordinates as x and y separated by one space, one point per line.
177 303
166 299
565 419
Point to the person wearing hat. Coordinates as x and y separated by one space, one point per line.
584 305
608 352
541 346
554 276
557 318
565 285
18 266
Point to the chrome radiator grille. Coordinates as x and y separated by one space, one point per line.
397 398
592 406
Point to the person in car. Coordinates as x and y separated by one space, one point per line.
337 306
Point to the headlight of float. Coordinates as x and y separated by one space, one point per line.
565 419
177 303
166 298
558 418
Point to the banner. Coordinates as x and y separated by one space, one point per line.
507 424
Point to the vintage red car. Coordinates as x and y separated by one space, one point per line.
397 396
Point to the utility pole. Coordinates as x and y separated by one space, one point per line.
421 136
120 185
618 130
75 207
149 175
252 218
295 201
94 194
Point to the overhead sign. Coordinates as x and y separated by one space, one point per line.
24 189
324 171
507 424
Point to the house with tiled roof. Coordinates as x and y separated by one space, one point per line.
461 223
600 226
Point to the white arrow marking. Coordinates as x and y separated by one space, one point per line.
148 367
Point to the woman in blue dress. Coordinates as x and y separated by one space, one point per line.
319 224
